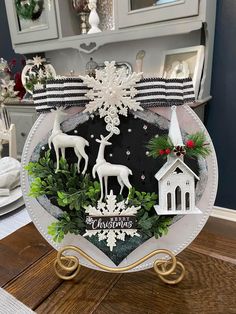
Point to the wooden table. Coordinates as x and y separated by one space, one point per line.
26 271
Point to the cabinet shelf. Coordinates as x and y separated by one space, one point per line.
91 42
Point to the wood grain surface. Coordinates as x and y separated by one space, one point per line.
209 286
36 282
205 286
19 250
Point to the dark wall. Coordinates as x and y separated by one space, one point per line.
221 113
6 50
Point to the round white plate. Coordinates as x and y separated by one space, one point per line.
181 233
13 206
14 195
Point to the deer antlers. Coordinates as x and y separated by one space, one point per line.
104 139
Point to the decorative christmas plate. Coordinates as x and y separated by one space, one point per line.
35 72
90 179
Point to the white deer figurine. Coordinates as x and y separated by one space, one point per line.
105 169
61 141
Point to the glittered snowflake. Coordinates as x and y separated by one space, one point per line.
113 210
112 94
36 61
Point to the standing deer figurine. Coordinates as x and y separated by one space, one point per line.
61 141
105 169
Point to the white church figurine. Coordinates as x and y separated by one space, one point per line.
176 181
61 141
105 169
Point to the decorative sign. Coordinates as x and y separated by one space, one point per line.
111 222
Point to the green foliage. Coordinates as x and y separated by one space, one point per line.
38 188
31 10
73 192
158 145
195 146
46 181
33 79
67 189
145 200
65 224
148 221
88 193
201 148
155 225
56 231
93 192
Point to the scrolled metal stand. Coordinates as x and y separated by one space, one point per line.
164 268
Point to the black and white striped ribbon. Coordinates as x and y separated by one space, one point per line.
164 92
151 92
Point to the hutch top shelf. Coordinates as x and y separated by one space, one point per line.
121 20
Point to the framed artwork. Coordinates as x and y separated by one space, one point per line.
183 63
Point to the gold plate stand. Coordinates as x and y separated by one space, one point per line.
168 270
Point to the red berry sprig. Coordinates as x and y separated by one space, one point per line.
190 144
166 151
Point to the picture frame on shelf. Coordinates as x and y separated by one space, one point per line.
184 62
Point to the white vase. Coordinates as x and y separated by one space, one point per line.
94 22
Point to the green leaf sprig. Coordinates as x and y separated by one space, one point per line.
195 146
148 221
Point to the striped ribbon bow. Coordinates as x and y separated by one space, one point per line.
151 92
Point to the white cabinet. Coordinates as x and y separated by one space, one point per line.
25 31
121 20
134 12
23 116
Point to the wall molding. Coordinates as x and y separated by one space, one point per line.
224 213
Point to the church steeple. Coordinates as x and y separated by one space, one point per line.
175 135
174 130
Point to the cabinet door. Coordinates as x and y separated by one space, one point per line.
139 12
23 120
24 31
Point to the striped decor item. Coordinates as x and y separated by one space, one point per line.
55 92
64 92
155 92
151 92
74 92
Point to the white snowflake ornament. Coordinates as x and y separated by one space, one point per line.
112 94
111 221
38 86
7 89
38 60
